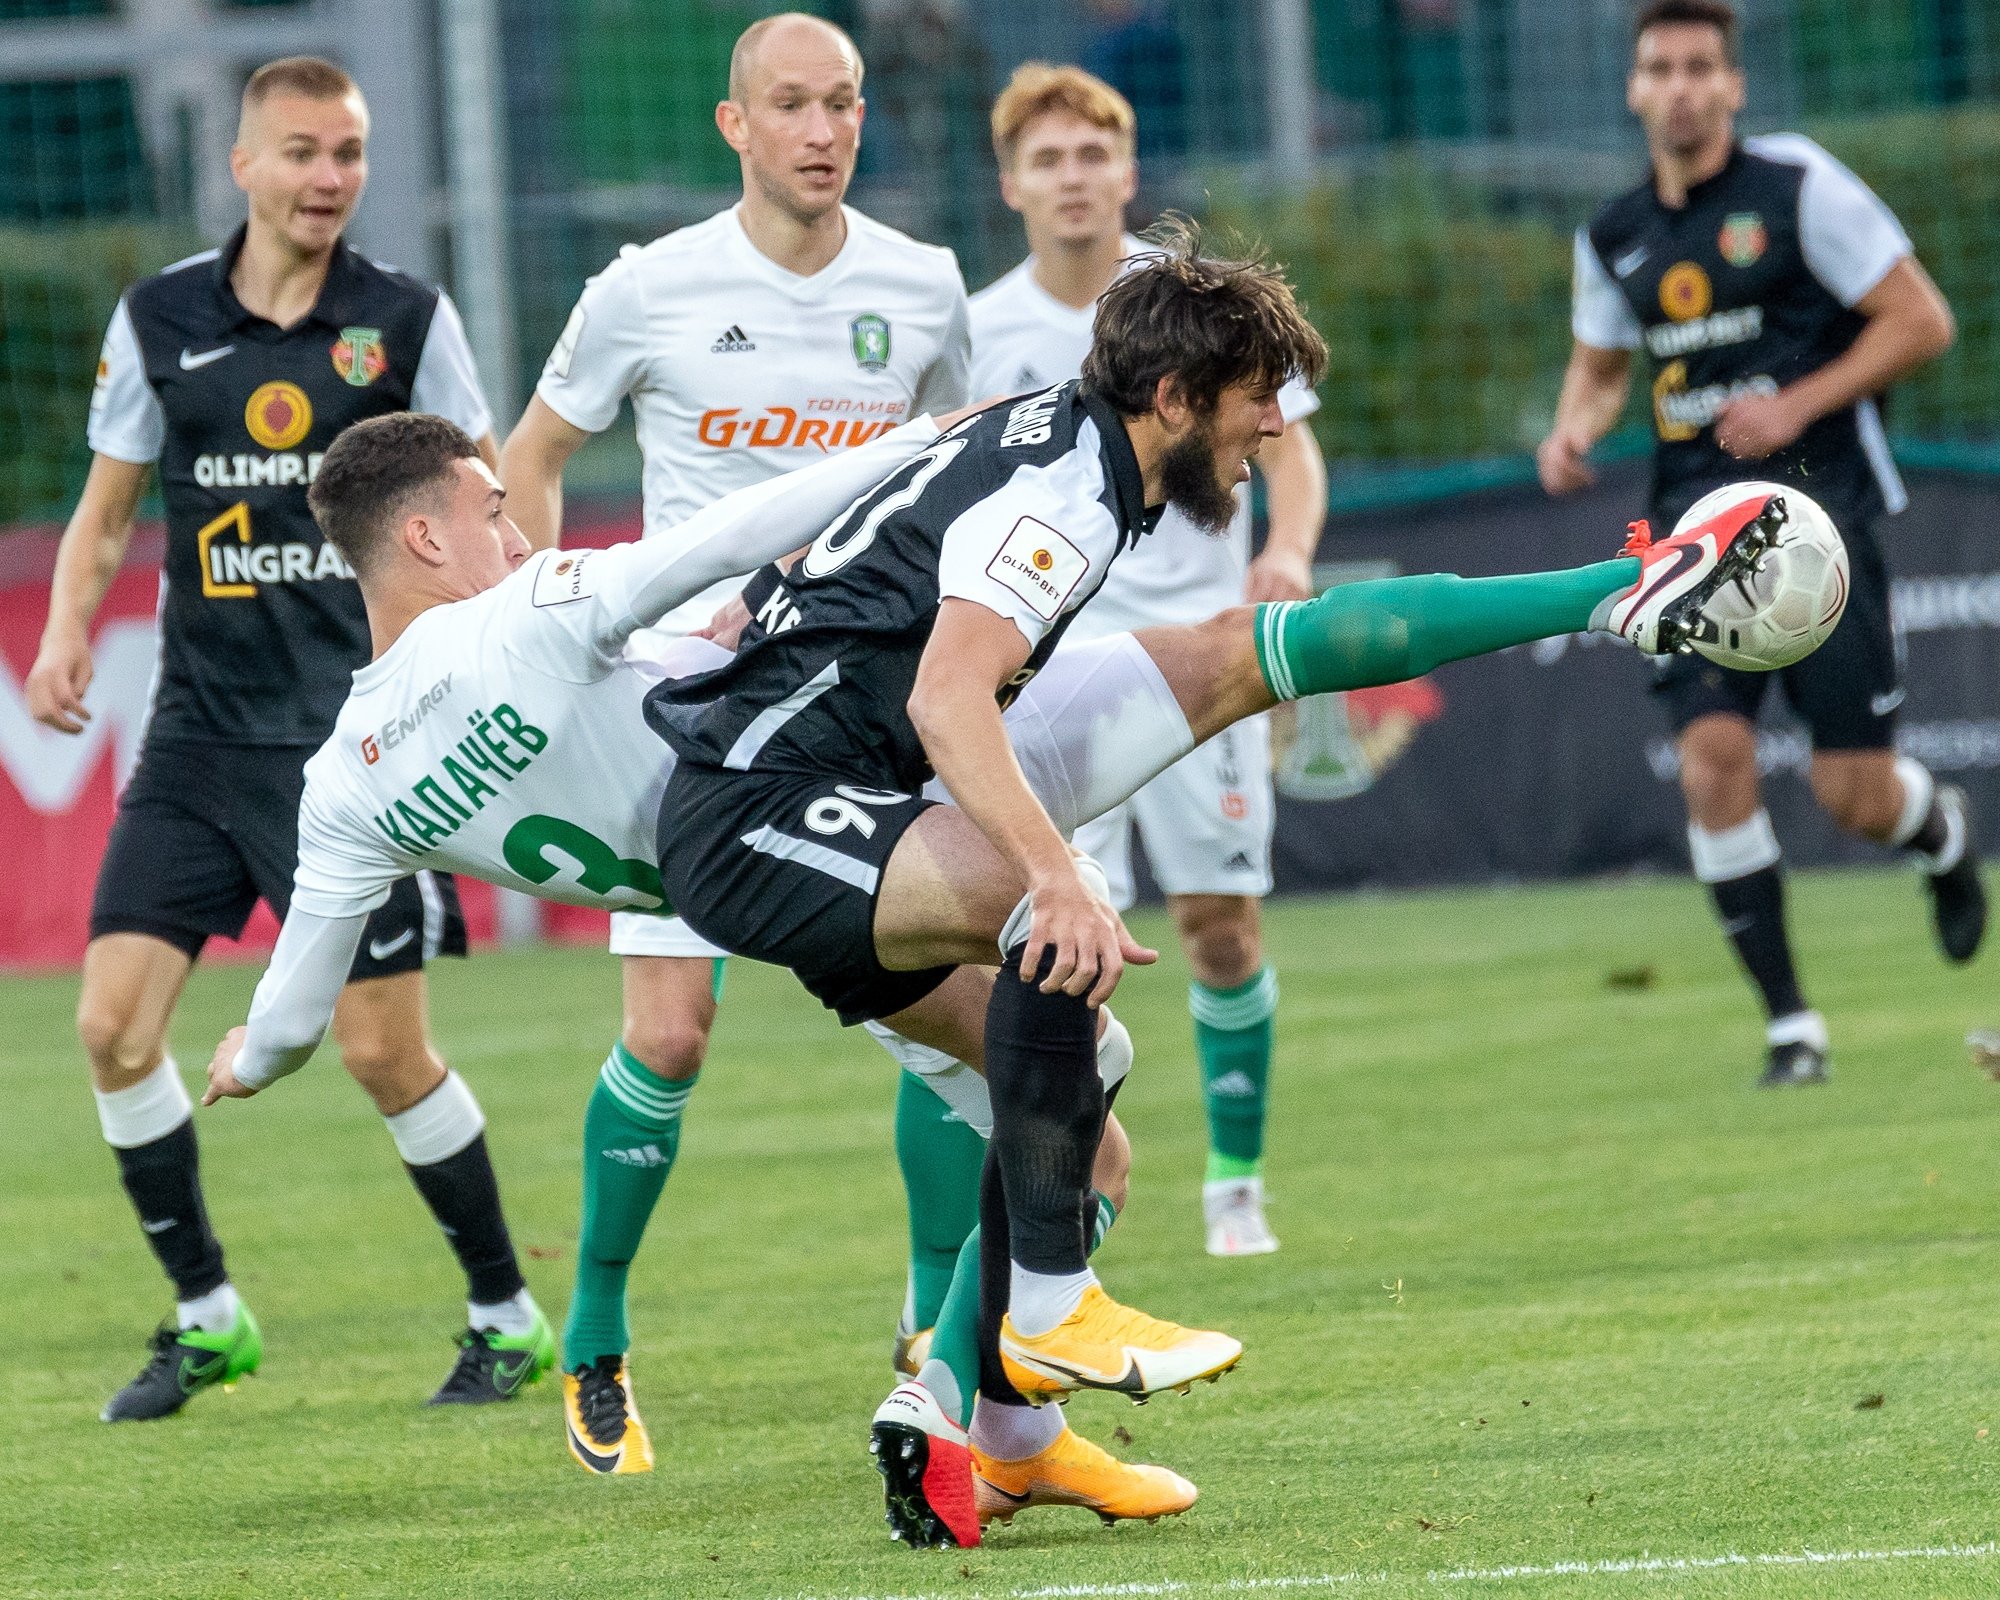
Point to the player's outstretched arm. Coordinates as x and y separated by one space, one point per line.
93 546
743 531
954 707
293 1006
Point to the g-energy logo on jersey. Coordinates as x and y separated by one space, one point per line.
1679 413
1028 422
232 567
397 729
1040 566
783 428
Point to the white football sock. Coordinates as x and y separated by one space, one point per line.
1801 1027
935 1376
438 1126
1037 1301
512 1319
150 1109
214 1312
1013 1433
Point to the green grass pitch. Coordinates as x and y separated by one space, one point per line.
1565 1306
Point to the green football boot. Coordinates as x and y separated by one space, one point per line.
184 1362
497 1366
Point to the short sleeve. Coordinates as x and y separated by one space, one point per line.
342 871
947 382
126 422
1849 238
447 383
1295 400
1599 314
1030 558
601 355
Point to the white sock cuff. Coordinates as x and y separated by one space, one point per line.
1016 930
438 1126
1114 1051
1801 1027
1014 1433
1919 789
151 1109
1734 852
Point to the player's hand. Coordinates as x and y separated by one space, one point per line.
1752 427
1562 462
1089 939
57 681
1278 575
222 1084
727 625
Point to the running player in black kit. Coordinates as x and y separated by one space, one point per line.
1778 299
234 370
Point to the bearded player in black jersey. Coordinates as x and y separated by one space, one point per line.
1778 299
234 370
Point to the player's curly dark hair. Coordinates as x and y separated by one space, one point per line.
375 471
1205 321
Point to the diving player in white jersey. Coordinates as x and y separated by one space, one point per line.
1064 142
778 331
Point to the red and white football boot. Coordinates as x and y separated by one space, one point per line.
1661 613
926 1464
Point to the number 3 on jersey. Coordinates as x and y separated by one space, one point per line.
549 850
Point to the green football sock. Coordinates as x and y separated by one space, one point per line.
1232 1041
956 1342
631 1133
940 1158
1386 630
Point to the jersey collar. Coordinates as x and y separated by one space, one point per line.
1697 190
333 308
1134 516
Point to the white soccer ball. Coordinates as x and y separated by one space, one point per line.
1786 609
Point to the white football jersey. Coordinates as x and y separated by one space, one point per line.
1025 338
739 370
503 736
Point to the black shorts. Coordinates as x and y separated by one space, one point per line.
204 831
1846 692
784 868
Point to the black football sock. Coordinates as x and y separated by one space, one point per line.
163 1177
1745 877
995 1275
464 1196
1048 1114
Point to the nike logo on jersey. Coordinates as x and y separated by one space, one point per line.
1630 262
732 340
382 949
190 362
1883 704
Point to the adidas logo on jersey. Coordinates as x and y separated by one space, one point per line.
645 1155
733 339
1240 862
1234 1086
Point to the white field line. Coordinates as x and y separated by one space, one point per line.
1558 1569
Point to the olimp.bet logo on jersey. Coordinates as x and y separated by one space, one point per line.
1686 295
277 416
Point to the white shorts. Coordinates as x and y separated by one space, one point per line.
634 933
1206 821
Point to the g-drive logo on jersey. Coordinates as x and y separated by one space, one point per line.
1039 565
397 729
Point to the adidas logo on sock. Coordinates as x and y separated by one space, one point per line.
733 339
645 1155
1234 1086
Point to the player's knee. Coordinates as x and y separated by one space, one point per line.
1865 802
1719 771
670 1047
393 1071
120 1051
1221 940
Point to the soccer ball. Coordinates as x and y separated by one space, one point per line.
1787 607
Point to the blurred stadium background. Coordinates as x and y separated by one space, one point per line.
1419 164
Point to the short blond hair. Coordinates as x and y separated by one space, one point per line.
1038 88
307 76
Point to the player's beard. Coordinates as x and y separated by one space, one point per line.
1187 474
